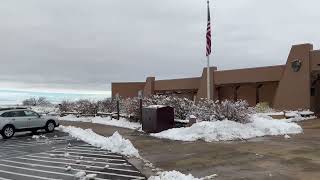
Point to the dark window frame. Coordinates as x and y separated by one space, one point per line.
312 91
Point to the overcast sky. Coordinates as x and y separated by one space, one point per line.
84 45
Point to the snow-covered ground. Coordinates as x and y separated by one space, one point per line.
226 130
115 143
122 122
294 115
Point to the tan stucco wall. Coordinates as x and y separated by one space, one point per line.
248 93
294 88
177 84
249 75
315 60
226 92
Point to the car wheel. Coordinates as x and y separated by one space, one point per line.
8 132
50 126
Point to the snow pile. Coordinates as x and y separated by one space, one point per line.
115 143
38 137
122 122
287 136
176 175
170 175
80 174
229 130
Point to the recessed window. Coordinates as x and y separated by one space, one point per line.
313 91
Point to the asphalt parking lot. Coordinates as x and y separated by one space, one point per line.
265 158
59 156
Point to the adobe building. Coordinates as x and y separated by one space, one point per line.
294 85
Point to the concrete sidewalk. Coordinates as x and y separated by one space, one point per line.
259 158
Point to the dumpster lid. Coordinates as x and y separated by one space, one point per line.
156 106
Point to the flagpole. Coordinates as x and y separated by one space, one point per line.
208 78
208 72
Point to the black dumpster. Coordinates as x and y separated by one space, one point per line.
157 118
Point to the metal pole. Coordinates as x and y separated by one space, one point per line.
118 110
208 78
140 107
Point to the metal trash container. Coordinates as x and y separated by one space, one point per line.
157 118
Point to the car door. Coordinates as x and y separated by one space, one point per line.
17 118
34 119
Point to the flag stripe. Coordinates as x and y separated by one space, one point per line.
208 35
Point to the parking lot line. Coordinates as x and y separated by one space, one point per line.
37 170
83 150
93 154
63 163
115 174
89 162
91 171
74 164
4 178
22 146
90 151
9 149
24 175
9 152
106 159
80 147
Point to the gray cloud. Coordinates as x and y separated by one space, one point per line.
87 44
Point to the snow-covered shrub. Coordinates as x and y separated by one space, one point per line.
263 107
203 109
86 106
209 110
67 106
234 111
29 102
182 106
107 106
41 101
130 106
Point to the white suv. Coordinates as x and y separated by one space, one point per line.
21 119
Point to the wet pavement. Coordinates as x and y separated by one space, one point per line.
59 156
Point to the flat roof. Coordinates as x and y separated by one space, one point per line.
249 75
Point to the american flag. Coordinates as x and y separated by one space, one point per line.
208 36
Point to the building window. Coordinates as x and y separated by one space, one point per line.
313 91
